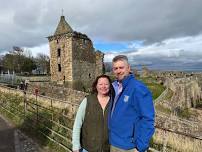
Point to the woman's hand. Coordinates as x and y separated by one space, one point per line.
136 150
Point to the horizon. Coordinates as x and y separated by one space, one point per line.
165 68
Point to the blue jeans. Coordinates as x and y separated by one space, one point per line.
83 150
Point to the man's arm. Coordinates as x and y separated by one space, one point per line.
145 127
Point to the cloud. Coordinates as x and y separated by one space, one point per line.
147 30
179 53
27 23
44 49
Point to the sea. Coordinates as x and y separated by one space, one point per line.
171 68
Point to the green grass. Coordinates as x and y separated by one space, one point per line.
199 104
169 95
153 86
184 113
163 109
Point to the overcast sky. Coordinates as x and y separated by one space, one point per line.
157 33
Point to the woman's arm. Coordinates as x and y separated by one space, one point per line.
76 145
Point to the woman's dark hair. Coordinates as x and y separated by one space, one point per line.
94 89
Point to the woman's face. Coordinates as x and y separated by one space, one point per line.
103 86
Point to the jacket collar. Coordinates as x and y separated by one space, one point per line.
125 80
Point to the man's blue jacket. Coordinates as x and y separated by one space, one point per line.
131 123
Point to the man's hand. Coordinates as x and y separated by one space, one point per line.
76 151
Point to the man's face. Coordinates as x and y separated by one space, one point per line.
121 69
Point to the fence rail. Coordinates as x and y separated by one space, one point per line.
53 121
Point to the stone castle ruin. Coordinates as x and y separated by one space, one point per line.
72 56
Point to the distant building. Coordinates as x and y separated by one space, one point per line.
145 71
72 56
135 72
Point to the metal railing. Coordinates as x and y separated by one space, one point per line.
49 121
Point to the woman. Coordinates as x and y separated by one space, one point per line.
90 131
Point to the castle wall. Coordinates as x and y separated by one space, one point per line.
57 92
83 60
83 71
186 92
172 142
99 63
64 43
83 48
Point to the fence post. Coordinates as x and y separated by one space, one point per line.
25 103
37 110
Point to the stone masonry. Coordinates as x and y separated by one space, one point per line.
187 92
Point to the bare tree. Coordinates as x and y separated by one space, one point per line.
17 61
43 62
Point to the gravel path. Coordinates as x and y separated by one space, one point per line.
13 140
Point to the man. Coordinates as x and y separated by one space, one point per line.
131 120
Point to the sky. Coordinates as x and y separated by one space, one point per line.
161 34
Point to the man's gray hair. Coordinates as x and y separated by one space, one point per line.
120 58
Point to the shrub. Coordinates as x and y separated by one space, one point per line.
183 113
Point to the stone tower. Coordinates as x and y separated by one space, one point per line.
72 56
